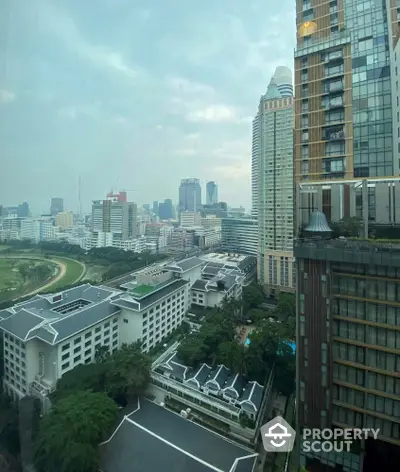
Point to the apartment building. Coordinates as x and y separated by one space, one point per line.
114 216
65 219
37 229
347 290
189 219
274 179
239 235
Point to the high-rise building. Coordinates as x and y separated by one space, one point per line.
211 193
190 195
23 210
165 210
57 205
155 208
255 152
117 197
348 341
274 179
119 218
65 219
284 81
239 235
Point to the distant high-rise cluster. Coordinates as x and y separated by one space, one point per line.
57 206
190 195
211 193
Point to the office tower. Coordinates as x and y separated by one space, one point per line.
119 218
284 81
239 235
274 162
23 210
348 340
165 210
155 208
211 193
190 195
57 205
65 219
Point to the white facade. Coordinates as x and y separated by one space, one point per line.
42 344
37 230
190 219
211 221
275 186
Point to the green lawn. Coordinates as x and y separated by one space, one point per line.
9 278
74 271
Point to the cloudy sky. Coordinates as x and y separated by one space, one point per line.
133 94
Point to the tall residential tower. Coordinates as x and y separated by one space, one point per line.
211 193
348 289
273 159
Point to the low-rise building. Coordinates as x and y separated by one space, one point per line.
226 283
65 219
189 219
38 229
49 335
215 391
239 235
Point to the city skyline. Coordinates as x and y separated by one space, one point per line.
194 98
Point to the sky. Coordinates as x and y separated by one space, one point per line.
133 95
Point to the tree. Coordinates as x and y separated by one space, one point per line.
23 270
192 350
285 373
84 377
253 295
9 431
286 305
69 435
127 372
102 353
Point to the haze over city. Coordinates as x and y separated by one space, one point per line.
133 95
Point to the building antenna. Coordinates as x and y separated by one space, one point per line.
79 195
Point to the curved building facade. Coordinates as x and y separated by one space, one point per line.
284 80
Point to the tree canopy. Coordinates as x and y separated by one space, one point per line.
122 375
69 435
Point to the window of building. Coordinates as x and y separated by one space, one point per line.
65 347
125 320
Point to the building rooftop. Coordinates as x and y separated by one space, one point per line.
156 439
141 301
185 264
56 317
233 384
227 260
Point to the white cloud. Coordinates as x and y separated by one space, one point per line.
62 26
214 114
6 96
188 87
232 171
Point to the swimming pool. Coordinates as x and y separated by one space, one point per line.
247 342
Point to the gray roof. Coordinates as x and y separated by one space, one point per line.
5 313
36 318
155 439
127 301
200 375
219 376
186 264
235 384
175 367
200 285
247 262
252 394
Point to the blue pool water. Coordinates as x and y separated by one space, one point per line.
289 343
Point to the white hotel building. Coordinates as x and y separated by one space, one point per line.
49 335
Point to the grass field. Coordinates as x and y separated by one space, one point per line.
12 283
75 270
